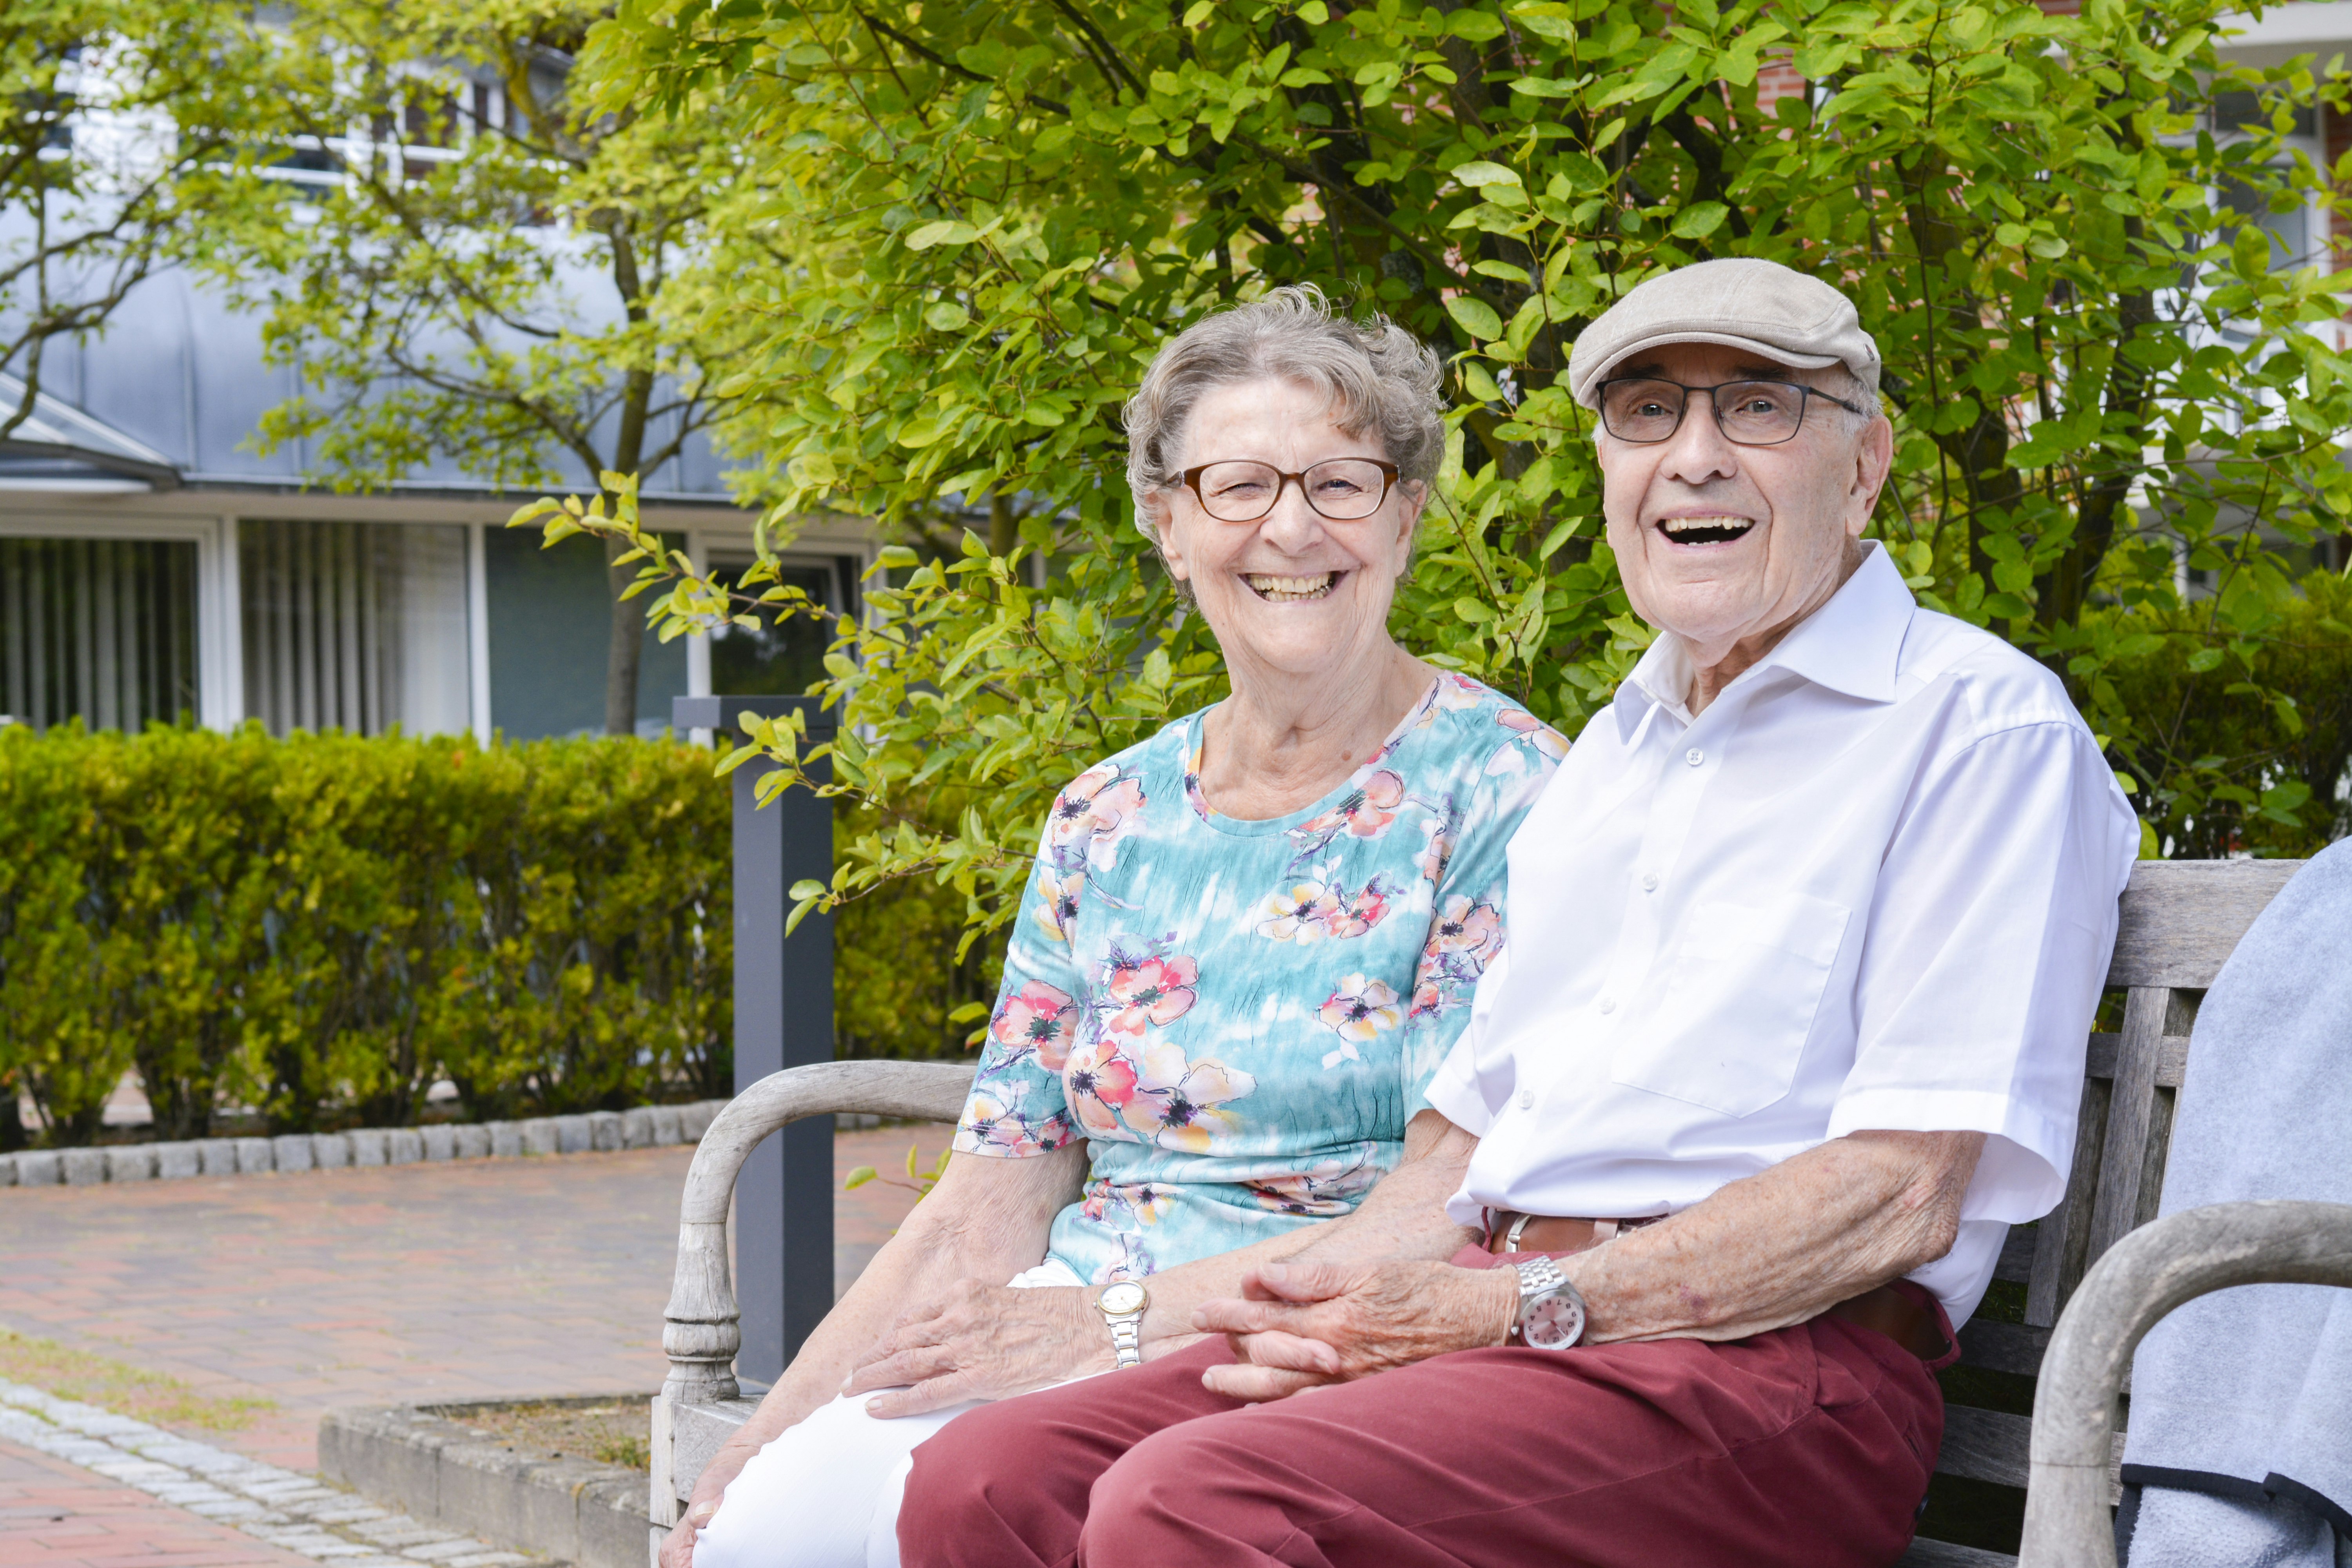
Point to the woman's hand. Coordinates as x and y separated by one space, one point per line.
976 1340
1302 1325
678 1546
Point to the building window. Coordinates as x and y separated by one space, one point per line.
780 657
99 629
550 637
358 627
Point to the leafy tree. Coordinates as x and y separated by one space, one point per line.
2261 777
959 231
484 273
120 125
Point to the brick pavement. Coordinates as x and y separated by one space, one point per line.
473 1280
56 1515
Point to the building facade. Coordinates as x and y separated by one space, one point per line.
154 566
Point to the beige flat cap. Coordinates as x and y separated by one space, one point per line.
1741 303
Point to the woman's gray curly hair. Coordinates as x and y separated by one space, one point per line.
1378 377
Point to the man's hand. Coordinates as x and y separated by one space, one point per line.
975 1340
1302 1325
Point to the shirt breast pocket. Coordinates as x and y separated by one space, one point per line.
1735 1002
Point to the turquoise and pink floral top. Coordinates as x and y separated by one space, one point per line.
1239 1016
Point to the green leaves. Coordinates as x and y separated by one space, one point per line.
945 231
1699 219
1474 316
2250 254
209 90
2012 198
320 927
1477 172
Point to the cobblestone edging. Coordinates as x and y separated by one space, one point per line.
425 1460
292 1511
646 1127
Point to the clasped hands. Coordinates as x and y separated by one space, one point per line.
1299 1326
1295 1327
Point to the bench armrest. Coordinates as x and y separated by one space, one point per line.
2143 1276
702 1329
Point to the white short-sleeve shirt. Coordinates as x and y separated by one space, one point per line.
1871 886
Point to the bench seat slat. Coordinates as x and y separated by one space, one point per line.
1944 1554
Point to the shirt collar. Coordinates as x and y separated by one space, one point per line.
1849 644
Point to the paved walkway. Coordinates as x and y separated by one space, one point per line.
472 1280
56 1515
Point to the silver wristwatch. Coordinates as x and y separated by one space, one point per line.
1122 1305
1551 1313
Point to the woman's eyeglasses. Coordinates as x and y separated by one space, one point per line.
1645 410
1341 489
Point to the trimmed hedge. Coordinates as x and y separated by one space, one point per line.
319 927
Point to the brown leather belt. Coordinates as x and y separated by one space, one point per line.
1883 1310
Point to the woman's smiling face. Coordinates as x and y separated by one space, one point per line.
1293 591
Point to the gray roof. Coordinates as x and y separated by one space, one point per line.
61 445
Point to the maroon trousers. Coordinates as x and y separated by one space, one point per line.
1809 1447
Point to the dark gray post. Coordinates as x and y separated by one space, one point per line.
784 1018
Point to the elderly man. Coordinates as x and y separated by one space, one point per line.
1806 936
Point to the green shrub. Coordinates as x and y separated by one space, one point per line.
907 979
2242 769
319 927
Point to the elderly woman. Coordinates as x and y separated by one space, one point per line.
1251 940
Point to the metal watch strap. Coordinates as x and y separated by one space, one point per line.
1122 1304
1538 1276
1546 1290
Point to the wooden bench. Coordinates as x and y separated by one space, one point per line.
2179 922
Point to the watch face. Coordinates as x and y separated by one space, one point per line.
1553 1322
1123 1297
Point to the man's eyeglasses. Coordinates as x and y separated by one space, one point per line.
1645 410
1341 489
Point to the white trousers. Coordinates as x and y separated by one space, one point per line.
825 1493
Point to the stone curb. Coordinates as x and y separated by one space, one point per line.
644 1127
288 1510
421 1460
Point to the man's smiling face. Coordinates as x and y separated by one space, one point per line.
1722 544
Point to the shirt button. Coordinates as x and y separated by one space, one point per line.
1649 881
1527 1098
1609 1004
1693 756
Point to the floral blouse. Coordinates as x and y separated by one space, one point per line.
1241 1016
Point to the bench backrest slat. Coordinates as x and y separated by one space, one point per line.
2182 919
2139 1120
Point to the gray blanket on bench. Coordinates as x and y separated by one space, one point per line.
2246 1395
